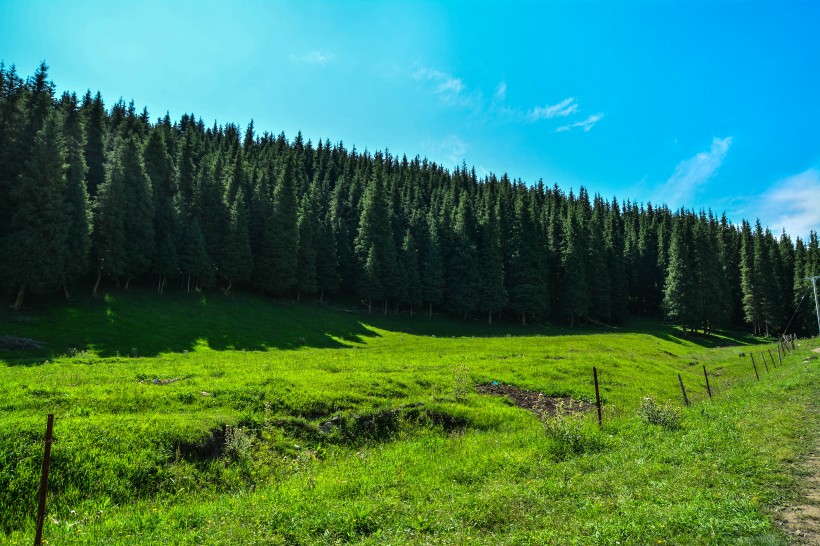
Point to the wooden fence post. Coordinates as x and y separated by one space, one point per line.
708 388
597 396
763 357
770 356
683 390
779 356
755 365
41 509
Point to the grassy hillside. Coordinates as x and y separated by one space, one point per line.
194 419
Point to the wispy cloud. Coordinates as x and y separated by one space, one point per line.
447 86
562 109
452 90
586 125
312 57
501 91
692 173
793 203
451 149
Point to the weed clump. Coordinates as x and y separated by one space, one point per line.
665 415
571 433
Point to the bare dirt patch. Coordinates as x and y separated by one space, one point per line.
536 402
802 521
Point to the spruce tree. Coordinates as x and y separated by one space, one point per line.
615 260
750 279
680 302
306 253
75 197
600 286
462 276
95 136
160 170
236 256
527 276
284 245
36 244
411 294
374 244
575 291
492 292
432 267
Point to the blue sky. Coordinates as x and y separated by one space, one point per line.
702 104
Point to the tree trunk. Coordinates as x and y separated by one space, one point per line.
369 306
20 295
189 283
228 288
490 317
65 291
431 309
159 285
127 282
298 295
397 307
322 296
97 284
385 306
524 319
411 310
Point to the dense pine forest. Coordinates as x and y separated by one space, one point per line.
94 195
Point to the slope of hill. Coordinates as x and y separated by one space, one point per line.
198 418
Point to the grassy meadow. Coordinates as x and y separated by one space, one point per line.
206 419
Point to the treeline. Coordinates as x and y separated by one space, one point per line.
91 194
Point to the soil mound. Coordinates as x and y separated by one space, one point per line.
537 402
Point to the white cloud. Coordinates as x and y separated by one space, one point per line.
450 150
586 125
449 88
562 109
793 203
501 91
313 57
692 173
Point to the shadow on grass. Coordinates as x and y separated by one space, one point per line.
141 323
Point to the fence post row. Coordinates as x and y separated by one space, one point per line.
597 396
683 390
41 509
706 376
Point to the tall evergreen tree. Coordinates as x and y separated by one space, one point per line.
306 254
95 136
432 267
36 244
159 167
462 276
75 197
492 292
283 223
575 291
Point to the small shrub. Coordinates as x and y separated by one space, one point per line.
238 442
461 382
572 434
665 415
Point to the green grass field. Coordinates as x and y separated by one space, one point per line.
201 419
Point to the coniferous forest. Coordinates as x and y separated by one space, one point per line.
97 196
